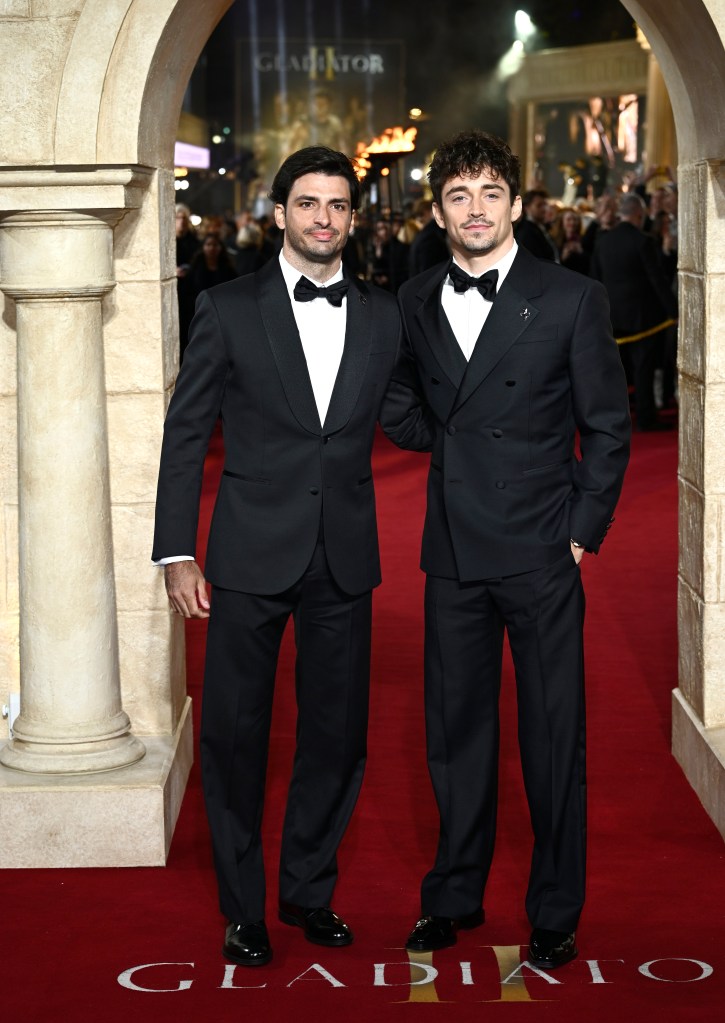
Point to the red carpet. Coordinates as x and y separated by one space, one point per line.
650 941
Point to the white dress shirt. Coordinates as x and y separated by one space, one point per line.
321 327
467 311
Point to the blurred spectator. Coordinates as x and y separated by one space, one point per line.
654 206
665 233
605 217
626 260
567 233
353 255
187 243
429 247
530 231
389 258
248 248
211 265
397 223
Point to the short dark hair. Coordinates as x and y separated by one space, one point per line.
467 154
313 160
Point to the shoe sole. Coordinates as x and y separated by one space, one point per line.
292 921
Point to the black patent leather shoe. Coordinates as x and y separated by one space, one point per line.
551 949
321 925
247 944
434 932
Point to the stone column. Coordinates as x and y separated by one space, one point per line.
58 266
698 707
660 140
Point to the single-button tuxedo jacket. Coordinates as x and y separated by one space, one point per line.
508 488
283 469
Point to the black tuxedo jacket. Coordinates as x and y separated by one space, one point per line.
626 261
507 489
283 468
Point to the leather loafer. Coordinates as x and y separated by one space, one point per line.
321 925
434 932
551 949
247 944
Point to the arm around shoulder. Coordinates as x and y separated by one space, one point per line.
404 415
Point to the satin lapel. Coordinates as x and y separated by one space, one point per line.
284 340
355 356
439 337
512 314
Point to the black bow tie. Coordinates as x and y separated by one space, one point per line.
305 291
486 284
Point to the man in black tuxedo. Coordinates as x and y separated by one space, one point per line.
295 360
641 298
530 230
429 247
513 362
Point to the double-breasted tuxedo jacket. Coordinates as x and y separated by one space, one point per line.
507 489
293 533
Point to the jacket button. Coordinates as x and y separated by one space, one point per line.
498 433
314 490
500 485
510 383
450 430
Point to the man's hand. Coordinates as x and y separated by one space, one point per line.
578 553
186 588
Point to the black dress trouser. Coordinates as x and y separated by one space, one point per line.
332 673
543 613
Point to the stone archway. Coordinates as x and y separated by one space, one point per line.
86 178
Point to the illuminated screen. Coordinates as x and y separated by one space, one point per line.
186 155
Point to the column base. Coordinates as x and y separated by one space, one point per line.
72 759
125 818
700 752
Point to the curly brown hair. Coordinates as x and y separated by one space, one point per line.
468 153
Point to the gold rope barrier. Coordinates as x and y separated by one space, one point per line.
645 333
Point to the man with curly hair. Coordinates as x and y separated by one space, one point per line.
516 358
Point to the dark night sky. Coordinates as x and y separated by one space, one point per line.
452 49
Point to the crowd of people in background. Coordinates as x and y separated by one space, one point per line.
627 240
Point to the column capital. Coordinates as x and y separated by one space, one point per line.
105 192
57 255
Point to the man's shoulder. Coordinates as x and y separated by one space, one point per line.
240 289
379 297
237 287
422 281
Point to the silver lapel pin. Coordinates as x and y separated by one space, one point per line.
525 313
